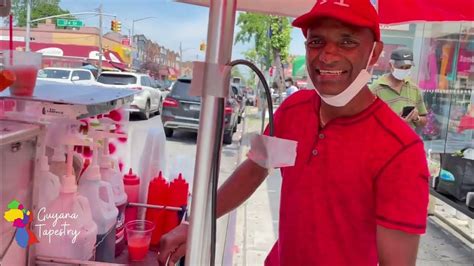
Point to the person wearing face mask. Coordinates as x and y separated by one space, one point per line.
290 87
357 190
399 92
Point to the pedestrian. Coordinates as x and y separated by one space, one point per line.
290 87
399 92
357 193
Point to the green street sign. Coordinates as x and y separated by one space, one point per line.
69 23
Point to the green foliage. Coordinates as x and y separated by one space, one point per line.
39 9
270 33
236 73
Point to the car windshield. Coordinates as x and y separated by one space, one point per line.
181 90
113 79
54 73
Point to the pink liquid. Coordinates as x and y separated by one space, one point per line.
25 80
138 247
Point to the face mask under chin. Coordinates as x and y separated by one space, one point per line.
352 90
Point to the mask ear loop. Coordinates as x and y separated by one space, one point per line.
370 58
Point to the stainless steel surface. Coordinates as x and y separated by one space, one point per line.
11 131
43 260
96 98
135 204
17 160
219 49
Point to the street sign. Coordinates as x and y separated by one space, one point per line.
126 41
69 23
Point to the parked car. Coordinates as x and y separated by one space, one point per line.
250 98
181 111
238 92
67 75
150 98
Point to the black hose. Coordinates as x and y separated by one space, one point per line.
265 87
217 148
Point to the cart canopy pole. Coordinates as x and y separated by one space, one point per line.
219 51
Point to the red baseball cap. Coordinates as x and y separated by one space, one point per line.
353 12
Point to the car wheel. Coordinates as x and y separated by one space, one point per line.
160 107
168 132
147 112
228 137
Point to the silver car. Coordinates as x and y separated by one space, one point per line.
150 99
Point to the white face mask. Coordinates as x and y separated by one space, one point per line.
401 74
287 84
352 90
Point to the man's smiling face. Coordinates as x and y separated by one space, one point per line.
336 53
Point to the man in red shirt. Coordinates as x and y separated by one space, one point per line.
358 191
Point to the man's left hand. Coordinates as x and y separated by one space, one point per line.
414 116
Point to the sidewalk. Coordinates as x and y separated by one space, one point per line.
257 224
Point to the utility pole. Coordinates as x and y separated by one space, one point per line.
100 40
180 57
28 25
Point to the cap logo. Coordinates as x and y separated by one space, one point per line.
335 2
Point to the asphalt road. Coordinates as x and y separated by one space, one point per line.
180 149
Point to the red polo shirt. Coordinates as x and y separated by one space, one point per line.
358 172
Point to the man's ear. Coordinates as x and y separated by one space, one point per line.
377 52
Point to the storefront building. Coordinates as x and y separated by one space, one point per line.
72 48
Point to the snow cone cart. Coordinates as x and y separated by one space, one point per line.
45 210
65 196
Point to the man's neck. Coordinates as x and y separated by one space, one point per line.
359 103
395 83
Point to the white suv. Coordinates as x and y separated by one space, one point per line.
150 98
67 75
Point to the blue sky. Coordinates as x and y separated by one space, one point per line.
174 23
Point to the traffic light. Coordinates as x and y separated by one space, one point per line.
202 47
116 25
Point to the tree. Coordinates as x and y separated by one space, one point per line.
39 9
271 35
236 73
251 55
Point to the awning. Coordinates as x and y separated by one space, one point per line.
172 71
390 11
83 52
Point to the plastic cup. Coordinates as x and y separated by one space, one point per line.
139 238
25 66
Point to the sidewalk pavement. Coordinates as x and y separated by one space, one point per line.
257 224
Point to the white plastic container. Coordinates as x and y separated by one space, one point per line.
57 164
74 220
104 213
111 175
48 184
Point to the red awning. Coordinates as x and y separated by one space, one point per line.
172 71
403 11
390 11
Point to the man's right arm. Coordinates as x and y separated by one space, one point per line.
239 186
235 190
